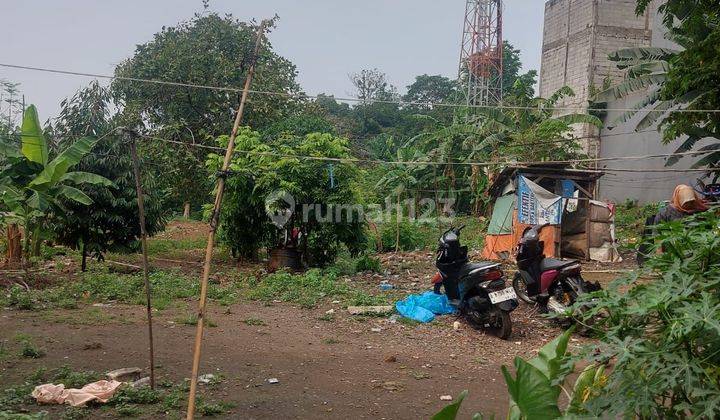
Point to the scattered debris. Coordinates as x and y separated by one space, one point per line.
141 382
273 381
125 374
102 305
376 329
330 312
386 286
206 378
336 302
92 346
391 359
365 310
391 386
456 325
446 398
100 391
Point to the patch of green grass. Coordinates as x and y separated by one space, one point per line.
426 235
363 298
72 378
141 395
75 413
630 222
326 317
174 247
85 316
128 410
409 322
254 321
304 289
4 352
331 341
213 408
101 285
30 351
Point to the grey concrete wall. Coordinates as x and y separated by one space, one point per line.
578 37
643 187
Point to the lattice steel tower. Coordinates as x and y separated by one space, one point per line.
481 53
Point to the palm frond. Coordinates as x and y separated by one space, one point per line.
630 86
640 53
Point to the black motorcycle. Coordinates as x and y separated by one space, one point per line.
477 289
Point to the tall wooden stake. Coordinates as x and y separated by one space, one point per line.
143 240
213 227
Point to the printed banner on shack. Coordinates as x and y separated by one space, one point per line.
536 205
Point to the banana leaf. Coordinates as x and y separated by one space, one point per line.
34 145
64 161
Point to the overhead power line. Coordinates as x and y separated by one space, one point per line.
465 163
341 99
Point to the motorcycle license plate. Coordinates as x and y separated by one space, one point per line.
502 295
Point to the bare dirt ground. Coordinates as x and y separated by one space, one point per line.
327 366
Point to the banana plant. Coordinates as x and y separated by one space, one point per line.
32 185
536 389
647 70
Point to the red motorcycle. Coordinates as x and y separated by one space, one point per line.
551 283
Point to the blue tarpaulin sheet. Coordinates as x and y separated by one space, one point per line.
424 307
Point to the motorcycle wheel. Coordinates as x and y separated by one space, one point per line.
500 323
577 287
520 287
436 288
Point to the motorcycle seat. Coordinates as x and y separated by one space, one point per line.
468 268
548 264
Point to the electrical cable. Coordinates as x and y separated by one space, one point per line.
468 163
341 99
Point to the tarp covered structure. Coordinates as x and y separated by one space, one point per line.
579 226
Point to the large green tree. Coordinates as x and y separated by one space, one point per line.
112 222
317 186
209 50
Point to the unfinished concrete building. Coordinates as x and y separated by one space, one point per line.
578 37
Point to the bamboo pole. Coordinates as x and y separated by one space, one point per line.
213 227
143 240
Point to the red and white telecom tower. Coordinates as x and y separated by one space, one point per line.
481 53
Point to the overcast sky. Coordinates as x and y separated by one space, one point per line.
326 39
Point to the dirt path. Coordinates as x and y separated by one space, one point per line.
326 369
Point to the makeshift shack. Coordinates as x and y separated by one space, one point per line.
579 226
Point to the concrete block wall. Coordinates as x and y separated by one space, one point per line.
578 36
577 39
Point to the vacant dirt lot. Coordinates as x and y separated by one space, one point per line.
328 365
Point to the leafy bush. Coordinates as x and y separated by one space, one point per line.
368 263
313 185
662 336
535 390
410 238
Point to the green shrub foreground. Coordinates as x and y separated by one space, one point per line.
658 350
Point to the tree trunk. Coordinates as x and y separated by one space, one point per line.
36 242
83 265
14 250
186 210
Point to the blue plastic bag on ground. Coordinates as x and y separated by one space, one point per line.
424 307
